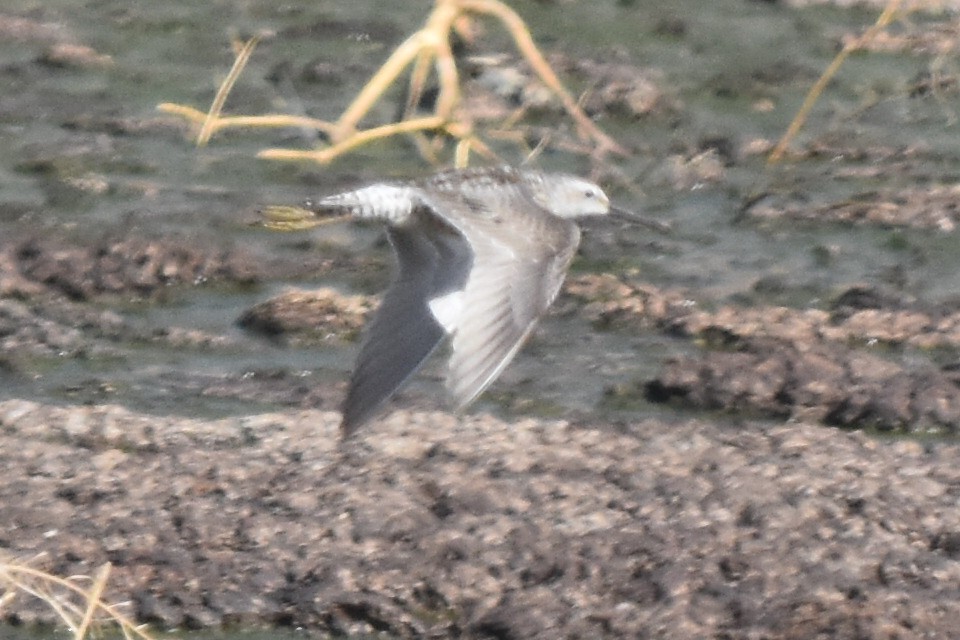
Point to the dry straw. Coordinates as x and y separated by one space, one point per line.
76 600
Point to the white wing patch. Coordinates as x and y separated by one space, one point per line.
448 310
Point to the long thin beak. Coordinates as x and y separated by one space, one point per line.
630 216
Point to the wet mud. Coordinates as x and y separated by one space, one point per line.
771 451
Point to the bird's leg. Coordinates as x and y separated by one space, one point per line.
282 218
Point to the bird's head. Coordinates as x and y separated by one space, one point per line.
568 196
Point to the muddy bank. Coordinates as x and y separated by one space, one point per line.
138 308
432 526
872 357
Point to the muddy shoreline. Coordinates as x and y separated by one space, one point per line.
744 428
432 526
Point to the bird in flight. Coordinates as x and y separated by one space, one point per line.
481 253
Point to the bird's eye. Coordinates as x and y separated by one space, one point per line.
588 194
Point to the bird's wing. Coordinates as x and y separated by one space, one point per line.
404 331
518 266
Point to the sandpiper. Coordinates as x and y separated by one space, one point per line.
481 253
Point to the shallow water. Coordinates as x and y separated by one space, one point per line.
722 58
716 61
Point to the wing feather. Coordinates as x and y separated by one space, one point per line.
518 268
404 332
